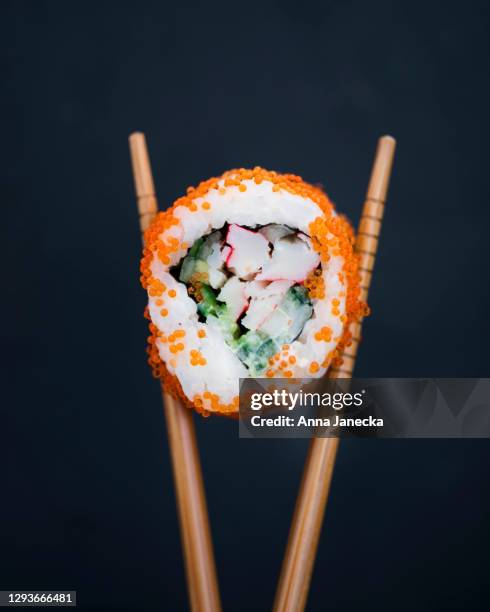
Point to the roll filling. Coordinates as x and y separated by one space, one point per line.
249 285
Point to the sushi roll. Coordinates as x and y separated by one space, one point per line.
251 274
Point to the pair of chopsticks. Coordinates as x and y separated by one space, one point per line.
306 525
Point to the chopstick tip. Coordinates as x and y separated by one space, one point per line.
388 140
136 135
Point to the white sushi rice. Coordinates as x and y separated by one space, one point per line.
259 205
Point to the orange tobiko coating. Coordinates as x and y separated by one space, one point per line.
331 235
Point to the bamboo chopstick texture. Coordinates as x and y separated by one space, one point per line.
299 558
202 582
367 239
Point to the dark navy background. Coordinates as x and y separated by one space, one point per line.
86 490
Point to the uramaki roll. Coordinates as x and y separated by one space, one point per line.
249 274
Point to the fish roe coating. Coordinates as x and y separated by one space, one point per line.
331 236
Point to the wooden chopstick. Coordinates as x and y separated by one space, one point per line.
299 558
202 582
